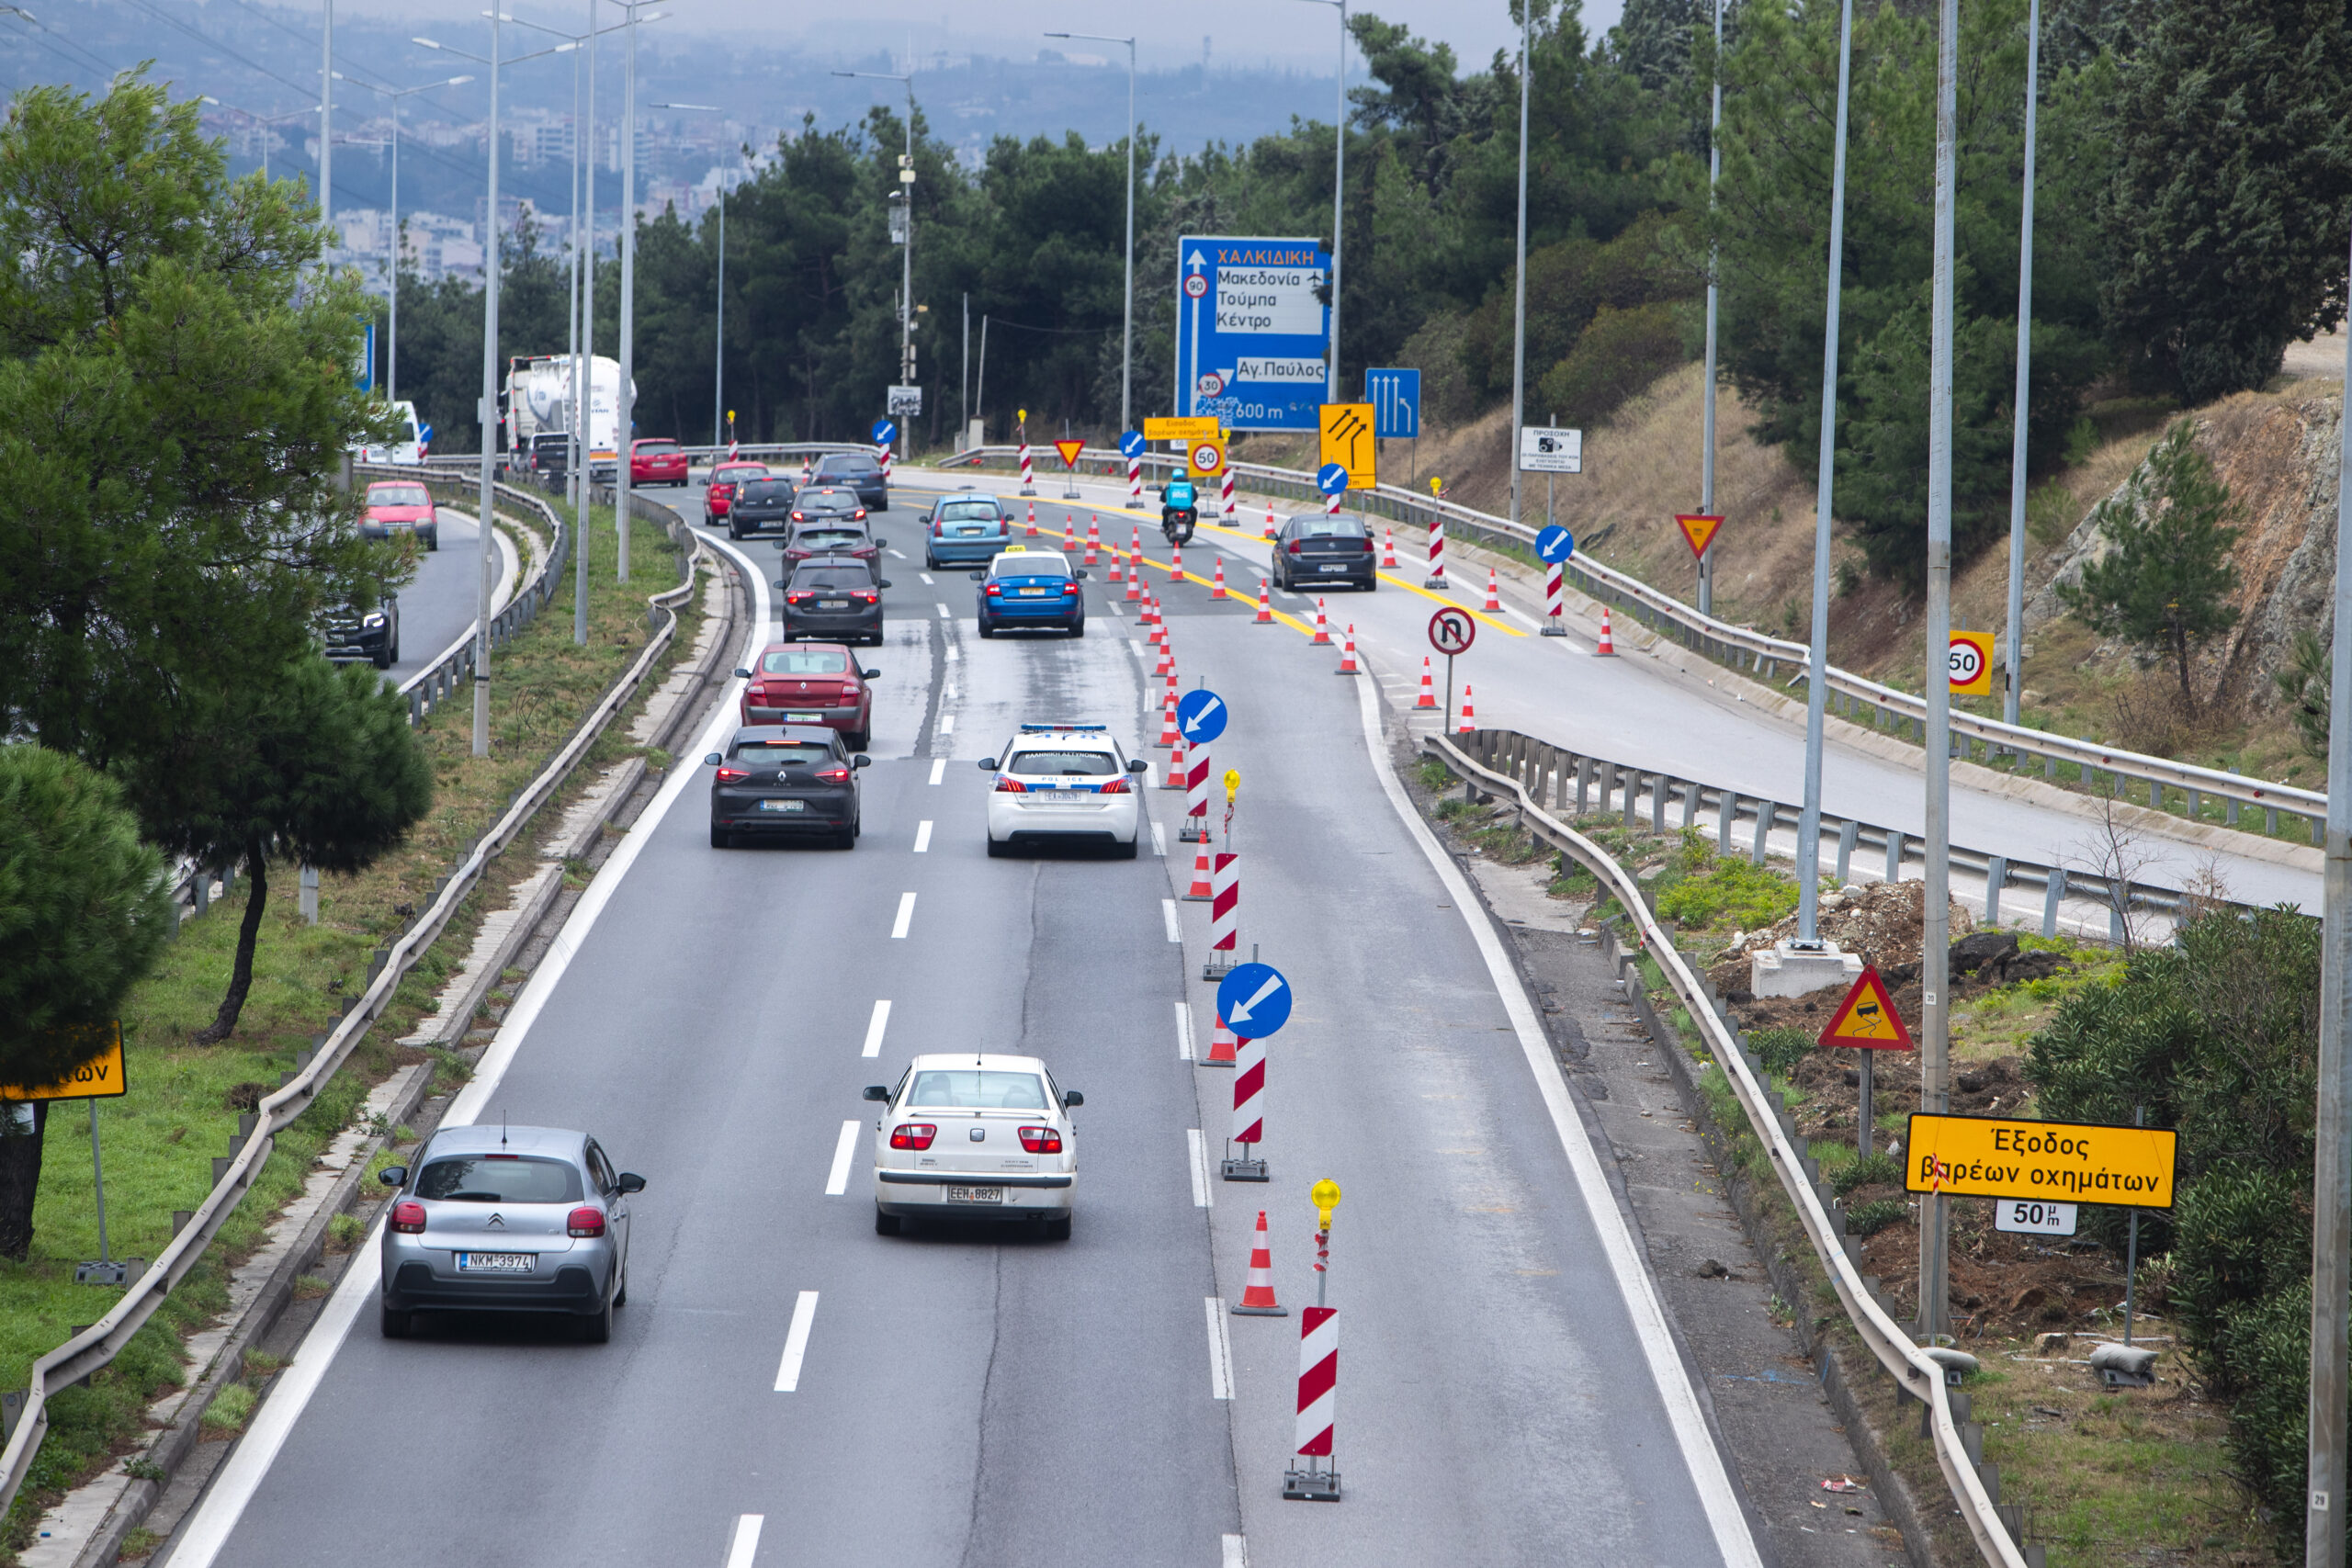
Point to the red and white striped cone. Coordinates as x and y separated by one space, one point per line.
1227 512
1069 533
1318 1404
1347 654
1552 597
1221 1053
1151 616
1167 665
1093 535
1173 694
1493 604
1217 589
1135 483
1135 577
1195 829
1117 574
1469 720
1428 699
1175 562
1200 892
1608 646
1258 1296
1178 774
1169 737
1033 520
1436 579
1322 628
807 469
1388 549
1270 520
1224 917
1028 475
1249 1110
1265 607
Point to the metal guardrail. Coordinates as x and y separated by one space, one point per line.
1974 1497
99 1344
1861 700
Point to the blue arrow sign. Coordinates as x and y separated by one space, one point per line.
1201 714
1395 400
1254 1000
1556 543
885 431
1132 443
1331 479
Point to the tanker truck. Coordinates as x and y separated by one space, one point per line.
539 398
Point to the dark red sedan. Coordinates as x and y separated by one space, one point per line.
724 480
810 682
657 460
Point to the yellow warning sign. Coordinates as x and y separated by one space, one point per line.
1972 664
98 1079
1699 529
1188 429
1204 457
2068 1162
1346 438
1867 1018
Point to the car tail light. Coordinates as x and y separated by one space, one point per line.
733 776
849 690
799 598
1071 589
585 1222
912 1135
1297 547
1005 785
801 518
858 513
1115 786
863 596
995 591
939 527
408 1218
832 775
1042 1140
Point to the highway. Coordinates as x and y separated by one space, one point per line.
1510 1392
438 607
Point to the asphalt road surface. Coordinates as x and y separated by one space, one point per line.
438 607
1508 1393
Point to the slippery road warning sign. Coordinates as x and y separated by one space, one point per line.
1867 1018
1987 1156
1699 531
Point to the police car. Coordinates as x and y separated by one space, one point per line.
1066 782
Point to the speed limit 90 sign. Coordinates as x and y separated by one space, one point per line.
1969 664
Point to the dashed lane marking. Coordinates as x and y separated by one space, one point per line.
927 582
1196 1150
874 1027
1183 1033
938 768
746 1543
844 1150
947 724
1220 1350
1237 1552
922 838
1167 906
907 915
795 1345
1159 842
946 613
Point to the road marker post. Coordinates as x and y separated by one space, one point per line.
1196 798
1258 1296
1553 545
1436 579
1249 1112
1028 475
1135 483
1552 606
1224 915
1228 477
1318 1372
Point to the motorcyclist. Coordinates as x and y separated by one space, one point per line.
1179 510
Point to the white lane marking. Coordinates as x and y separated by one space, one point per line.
1237 1552
874 1027
947 724
1167 912
1135 646
944 612
896 553
1196 1149
907 915
922 838
1220 1352
926 579
845 1149
240 1473
1159 842
796 1343
938 768
747 1541
1627 1264
953 653
1183 1033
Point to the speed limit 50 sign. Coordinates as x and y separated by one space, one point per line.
1970 664
1206 458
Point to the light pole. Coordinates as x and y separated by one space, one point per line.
1519 305
392 276
1707 438
1339 191
326 124
907 221
2010 663
624 437
265 121
719 332
1127 339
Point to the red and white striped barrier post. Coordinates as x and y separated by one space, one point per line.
1319 1400
1332 503
1258 1296
1553 595
1436 578
1195 829
1249 1112
1224 915
1135 483
1028 474
882 452
1228 494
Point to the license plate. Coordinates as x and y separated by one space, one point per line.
1341 567
804 719
495 1262
784 806
1032 593
832 604
968 533
976 1194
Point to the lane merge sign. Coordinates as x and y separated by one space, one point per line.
1451 631
2073 1162
1253 1000
1969 664
1556 543
1698 530
1867 1019
884 432
1344 437
1331 479
1201 714
1132 443
1069 451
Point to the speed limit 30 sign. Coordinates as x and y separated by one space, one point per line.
1969 664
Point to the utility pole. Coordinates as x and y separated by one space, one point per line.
1518 271
2013 654
1707 455
1128 340
583 383
625 438
905 227
326 124
491 261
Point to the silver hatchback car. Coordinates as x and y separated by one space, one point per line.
507 1219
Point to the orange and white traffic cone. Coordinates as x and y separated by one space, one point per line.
1607 647
1223 1048
1217 589
1033 520
1428 699
1093 536
1388 549
1134 573
1322 628
1167 665
1175 562
1070 533
1200 892
1469 721
1494 605
1168 736
1116 575
1348 656
1179 771
1258 1296
1270 520
1265 607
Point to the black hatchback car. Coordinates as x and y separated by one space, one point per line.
785 780
1318 547
760 504
838 537
858 472
833 597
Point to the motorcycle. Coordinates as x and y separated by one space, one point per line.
1176 523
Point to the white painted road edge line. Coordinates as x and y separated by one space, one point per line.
938 768
874 1027
946 613
1196 1149
922 837
1709 1477
1237 1552
844 1150
746 1543
947 724
1159 842
796 1343
1220 1352
926 579
1183 1033
1167 912
905 916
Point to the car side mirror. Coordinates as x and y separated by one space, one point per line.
1137 765
877 1092
881 544
780 583
861 761
1073 1099
628 1181
393 1176
871 674
978 576
884 584
987 764
713 759
1080 572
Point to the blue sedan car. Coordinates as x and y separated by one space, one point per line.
1030 588
966 530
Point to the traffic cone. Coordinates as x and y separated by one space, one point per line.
1223 1048
1033 520
1093 536
1201 892
1069 536
1494 595
1468 722
1347 657
1115 574
1270 520
1217 589
1179 771
1135 576
1175 562
1322 630
1388 549
1428 699
1258 1296
1607 647
1167 665
1168 732
1265 607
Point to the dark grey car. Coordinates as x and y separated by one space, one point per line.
833 597
1317 548
760 505
860 472
495 1218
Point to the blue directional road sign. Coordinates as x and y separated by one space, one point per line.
1331 479
1252 334
1133 445
1556 543
1201 714
1395 400
1254 1000
884 432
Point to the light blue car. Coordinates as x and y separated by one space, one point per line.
966 529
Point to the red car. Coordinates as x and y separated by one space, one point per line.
656 460
811 682
722 494
401 506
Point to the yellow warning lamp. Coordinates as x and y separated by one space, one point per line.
1232 784
1325 1195
1437 485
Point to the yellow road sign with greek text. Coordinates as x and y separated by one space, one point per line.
2071 1162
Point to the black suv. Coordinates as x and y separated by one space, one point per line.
551 455
860 472
374 635
761 504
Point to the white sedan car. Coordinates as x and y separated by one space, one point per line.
1064 782
974 1136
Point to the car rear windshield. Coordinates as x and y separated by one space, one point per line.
833 500
767 490
970 512
657 448
397 495
824 540
969 1088
1331 528
848 463
1086 765
804 662
500 1178
1030 563
832 577
786 754
743 473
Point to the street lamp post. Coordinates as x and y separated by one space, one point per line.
1127 338
1519 305
719 332
392 276
265 121
1338 192
906 203
1707 421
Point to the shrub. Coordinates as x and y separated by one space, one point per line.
1713 890
1868 1219
1872 1170
1614 358
1780 1048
